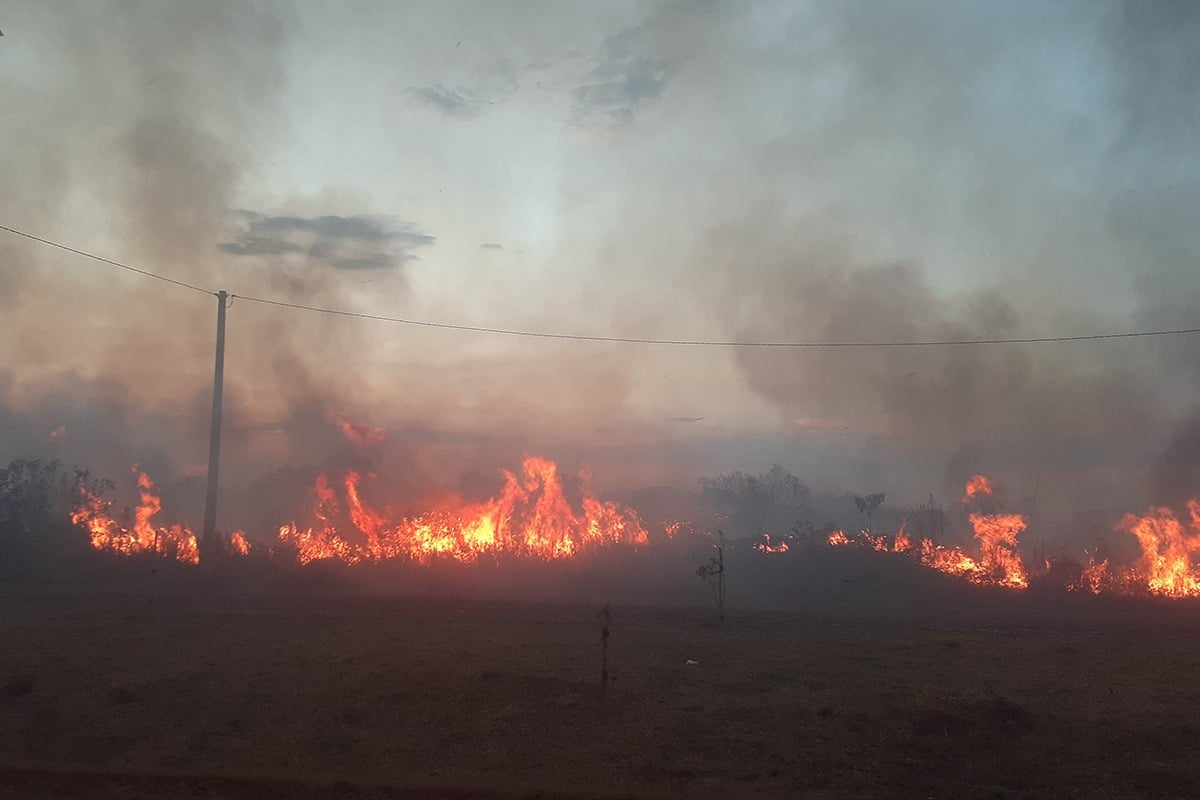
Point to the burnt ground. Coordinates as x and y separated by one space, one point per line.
206 696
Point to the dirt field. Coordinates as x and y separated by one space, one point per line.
392 698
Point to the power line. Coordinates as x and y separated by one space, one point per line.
103 260
707 342
614 339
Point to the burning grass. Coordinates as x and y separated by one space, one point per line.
539 515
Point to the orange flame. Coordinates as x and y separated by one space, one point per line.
997 535
676 526
998 564
1092 576
358 433
531 517
1168 543
769 545
175 541
976 485
238 543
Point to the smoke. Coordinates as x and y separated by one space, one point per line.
152 120
1176 472
1076 413
138 124
817 172
948 172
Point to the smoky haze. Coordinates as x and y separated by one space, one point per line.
825 172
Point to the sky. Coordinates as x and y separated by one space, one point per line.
733 171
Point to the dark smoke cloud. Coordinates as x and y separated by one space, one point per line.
935 131
1176 473
1004 406
1152 218
359 242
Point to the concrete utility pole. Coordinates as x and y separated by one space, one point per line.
208 541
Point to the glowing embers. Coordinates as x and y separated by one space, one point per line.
880 543
238 544
531 517
768 544
174 541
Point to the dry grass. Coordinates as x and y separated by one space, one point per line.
824 702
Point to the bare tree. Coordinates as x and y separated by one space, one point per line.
868 505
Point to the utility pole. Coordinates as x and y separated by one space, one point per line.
208 539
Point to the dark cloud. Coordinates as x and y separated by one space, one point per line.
461 102
501 79
491 246
621 83
350 243
260 246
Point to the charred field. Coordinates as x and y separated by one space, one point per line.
921 688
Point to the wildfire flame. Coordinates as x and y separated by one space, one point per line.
1167 544
977 485
175 541
238 543
769 545
998 564
531 517
358 433
1165 567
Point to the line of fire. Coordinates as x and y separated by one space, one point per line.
533 518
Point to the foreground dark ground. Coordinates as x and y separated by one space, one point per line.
359 697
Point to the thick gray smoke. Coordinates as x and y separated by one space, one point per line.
133 119
146 119
849 171
1057 198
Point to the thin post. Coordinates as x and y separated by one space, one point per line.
720 577
606 615
208 543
